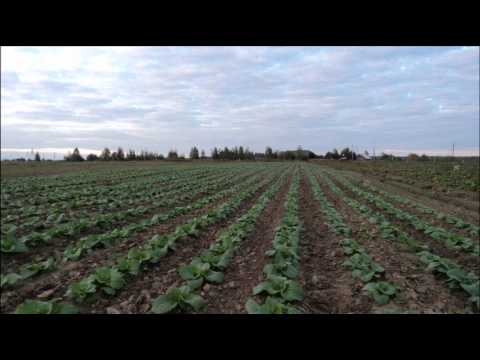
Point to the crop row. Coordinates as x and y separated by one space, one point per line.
281 287
111 279
473 229
25 185
456 276
108 239
210 265
10 243
360 262
453 241
64 199
92 219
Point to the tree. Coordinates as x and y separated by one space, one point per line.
268 152
225 154
37 156
412 157
215 155
194 153
241 153
301 154
131 155
75 156
105 155
172 155
120 154
346 153
202 155
92 157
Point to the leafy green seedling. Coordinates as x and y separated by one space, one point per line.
79 291
381 291
272 305
10 279
110 279
198 271
287 289
11 244
45 307
181 298
282 268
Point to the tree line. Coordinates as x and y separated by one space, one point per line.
234 153
226 153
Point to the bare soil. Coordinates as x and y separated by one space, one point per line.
137 296
329 287
419 291
246 269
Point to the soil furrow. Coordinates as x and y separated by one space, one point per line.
157 279
58 281
441 207
419 290
329 287
468 261
11 262
246 269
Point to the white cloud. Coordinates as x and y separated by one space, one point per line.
163 97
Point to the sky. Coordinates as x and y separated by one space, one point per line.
393 99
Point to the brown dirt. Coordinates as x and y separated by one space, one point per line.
93 209
468 261
328 286
136 297
430 218
74 271
418 195
246 268
12 262
464 205
420 291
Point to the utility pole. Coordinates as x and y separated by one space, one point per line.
453 149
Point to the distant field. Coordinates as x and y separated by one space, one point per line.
444 175
240 237
32 168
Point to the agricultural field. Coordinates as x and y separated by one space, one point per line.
235 237
441 176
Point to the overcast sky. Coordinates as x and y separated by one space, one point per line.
396 99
